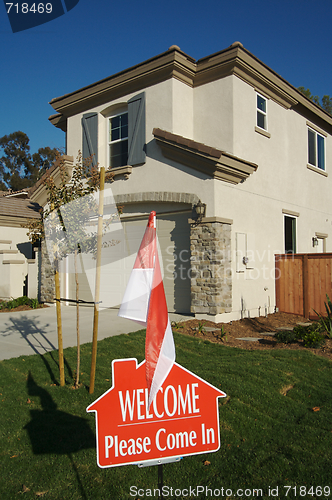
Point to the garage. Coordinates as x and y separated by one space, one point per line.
173 232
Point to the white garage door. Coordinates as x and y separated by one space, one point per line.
173 231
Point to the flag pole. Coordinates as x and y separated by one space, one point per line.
97 287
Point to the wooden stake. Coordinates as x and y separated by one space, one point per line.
97 288
77 379
59 323
58 315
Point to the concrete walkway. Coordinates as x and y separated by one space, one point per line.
35 331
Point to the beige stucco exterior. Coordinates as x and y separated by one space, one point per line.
213 102
18 266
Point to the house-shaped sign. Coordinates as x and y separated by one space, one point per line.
182 420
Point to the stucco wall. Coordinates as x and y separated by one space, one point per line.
222 114
213 114
282 182
17 261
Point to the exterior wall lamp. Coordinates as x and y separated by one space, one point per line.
200 210
315 241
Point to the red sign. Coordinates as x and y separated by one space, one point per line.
182 420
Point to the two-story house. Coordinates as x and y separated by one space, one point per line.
225 135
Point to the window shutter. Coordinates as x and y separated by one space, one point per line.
90 136
136 130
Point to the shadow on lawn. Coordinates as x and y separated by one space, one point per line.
53 431
57 432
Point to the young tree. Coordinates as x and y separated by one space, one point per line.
71 205
18 168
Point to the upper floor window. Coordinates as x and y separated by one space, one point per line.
118 140
316 149
125 133
261 112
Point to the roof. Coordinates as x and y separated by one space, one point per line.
37 192
23 193
174 63
211 161
189 143
15 211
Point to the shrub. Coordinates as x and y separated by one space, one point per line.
34 303
326 322
313 338
20 301
286 336
312 335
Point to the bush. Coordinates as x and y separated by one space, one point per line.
312 335
326 322
20 301
286 336
313 338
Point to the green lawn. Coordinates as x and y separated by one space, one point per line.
270 436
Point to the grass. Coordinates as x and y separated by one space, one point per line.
270 434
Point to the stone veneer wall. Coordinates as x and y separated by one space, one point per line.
47 287
211 276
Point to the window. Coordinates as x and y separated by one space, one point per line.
316 149
126 134
118 140
261 112
290 234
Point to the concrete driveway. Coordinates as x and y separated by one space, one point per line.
35 331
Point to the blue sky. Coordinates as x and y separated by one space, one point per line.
99 38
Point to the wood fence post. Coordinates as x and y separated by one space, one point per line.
306 296
277 279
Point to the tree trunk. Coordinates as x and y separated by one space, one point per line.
59 323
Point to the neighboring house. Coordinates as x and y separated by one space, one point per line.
19 261
225 130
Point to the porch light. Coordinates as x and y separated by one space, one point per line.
200 210
315 241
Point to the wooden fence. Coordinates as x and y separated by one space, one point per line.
302 282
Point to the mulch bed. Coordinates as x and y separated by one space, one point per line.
252 327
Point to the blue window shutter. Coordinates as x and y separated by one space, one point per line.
136 130
90 136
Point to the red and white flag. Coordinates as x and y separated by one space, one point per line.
144 301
